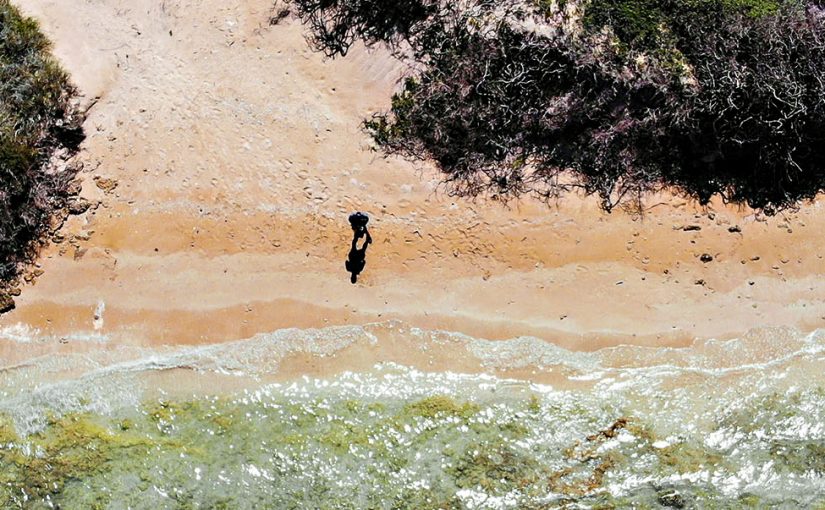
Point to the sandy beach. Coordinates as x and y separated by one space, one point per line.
190 337
223 157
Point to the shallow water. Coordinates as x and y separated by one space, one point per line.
725 424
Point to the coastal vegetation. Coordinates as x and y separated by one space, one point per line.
618 98
38 124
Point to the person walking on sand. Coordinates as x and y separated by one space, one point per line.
358 221
357 258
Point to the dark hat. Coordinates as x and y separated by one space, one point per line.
358 220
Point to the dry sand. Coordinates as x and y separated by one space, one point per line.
237 155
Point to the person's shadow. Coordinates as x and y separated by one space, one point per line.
357 258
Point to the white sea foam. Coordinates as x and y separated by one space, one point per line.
102 382
263 353
21 333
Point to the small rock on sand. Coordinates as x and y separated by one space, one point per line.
106 184
74 188
79 206
6 302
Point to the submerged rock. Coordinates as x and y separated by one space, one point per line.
671 498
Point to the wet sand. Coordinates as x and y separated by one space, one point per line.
237 155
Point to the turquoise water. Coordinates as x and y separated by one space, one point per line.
720 425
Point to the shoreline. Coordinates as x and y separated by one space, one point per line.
32 364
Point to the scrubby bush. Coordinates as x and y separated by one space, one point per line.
615 97
37 120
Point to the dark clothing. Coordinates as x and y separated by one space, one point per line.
358 257
358 221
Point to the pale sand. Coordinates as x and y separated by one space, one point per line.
238 156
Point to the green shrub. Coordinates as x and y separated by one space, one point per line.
37 121
618 98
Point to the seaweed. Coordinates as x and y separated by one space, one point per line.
330 452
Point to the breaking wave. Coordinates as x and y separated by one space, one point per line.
728 423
